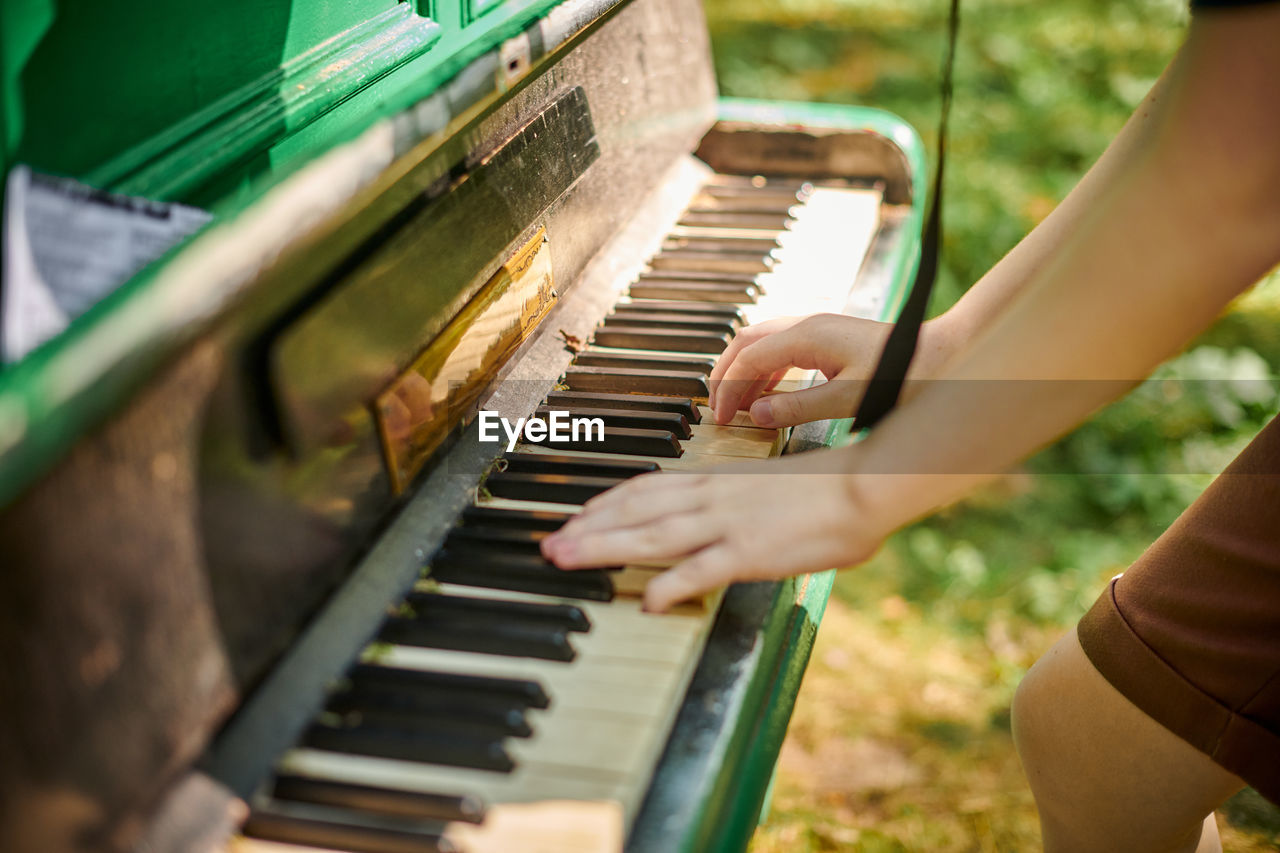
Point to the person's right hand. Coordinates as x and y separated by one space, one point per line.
844 349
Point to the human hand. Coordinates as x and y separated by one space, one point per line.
754 521
844 349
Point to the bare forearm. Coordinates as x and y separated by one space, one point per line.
1179 217
949 334
946 336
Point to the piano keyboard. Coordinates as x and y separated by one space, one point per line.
508 706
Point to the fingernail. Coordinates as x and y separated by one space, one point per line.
762 413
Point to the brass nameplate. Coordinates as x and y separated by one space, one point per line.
440 389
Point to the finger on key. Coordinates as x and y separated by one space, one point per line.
631 507
778 352
660 541
709 569
744 338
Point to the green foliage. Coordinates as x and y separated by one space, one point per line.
1249 810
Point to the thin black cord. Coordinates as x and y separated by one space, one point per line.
886 382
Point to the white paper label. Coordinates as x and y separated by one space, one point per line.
67 245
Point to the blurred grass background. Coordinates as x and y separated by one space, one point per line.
900 739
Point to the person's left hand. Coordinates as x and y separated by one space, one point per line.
754 521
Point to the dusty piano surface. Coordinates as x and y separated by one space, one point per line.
258 562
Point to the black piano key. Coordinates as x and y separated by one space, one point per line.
675 321
463 632
381 801
432 702
375 707
405 744
596 588
757 183
472 715
485 540
771 213
612 380
749 219
699 243
629 418
680 306
507 563
566 616
634 402
632 361
550 463
291 829
689 278
793 191
702 291
477 688
660 443
694 275
692 260
636 441
522 574
639 337
552 488
762 202
778 205
523 519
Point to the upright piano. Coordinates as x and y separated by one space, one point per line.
263 586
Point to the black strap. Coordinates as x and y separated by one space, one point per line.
886 382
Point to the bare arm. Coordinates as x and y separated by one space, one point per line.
994 291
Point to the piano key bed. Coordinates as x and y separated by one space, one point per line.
506 705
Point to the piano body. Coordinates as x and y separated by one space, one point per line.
220 486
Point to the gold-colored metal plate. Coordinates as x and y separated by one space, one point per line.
440 389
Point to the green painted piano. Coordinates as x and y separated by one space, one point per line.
265 583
